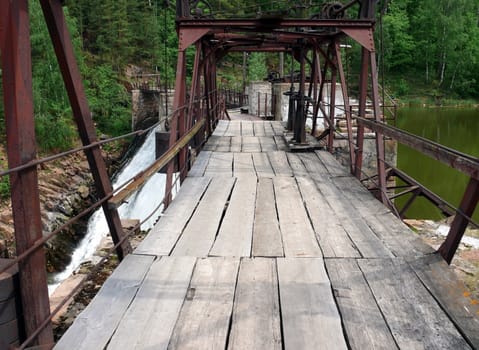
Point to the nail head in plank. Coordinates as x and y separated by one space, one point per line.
361 317
256 318
309 314
94 327
236 230
200 233
205 315
267 239
415 319
149 321
299 239
164 235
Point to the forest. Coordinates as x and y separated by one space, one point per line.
427 47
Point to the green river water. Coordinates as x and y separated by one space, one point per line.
457 128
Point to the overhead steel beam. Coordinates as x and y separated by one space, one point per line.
21 149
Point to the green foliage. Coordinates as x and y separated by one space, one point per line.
5 187
257 69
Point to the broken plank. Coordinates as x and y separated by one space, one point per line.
333 239
236 231
205 316
256 318
279 163
200 233
94 327
267 239
451 294
200 164
361 317
149 321
243 165
310 316
415 319
164 235
299 239
220 164
262 165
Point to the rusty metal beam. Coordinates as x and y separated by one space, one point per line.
55 19
459 224
21 149
454 159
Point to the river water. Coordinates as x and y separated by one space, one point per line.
456 128
138 206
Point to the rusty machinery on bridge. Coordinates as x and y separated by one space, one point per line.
314 42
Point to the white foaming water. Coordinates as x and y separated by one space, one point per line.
138 206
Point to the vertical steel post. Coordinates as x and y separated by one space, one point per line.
347 110
363 94
459 224
55 19
300 118
332 108
21 149
379 136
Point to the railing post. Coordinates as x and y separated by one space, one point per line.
459 224
21 149
55 19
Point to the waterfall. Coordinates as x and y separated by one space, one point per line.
138 206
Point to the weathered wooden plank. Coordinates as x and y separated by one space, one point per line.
451 294
236 231
200 233
396 236
234 128
360 233
221 128
258 128
415 319
220 164
280 143
262 165
224 144
247 128
299 239
8 333
278 128
310 317
267 144
333 239
149 321
243 165
236 143
94 327
268 129
212 143
250 144
204 318
313 165
279 163
8 310
361 317
256 319
333 166
200 164
164 235
296 164
267 239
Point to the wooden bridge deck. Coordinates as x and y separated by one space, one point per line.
265 249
